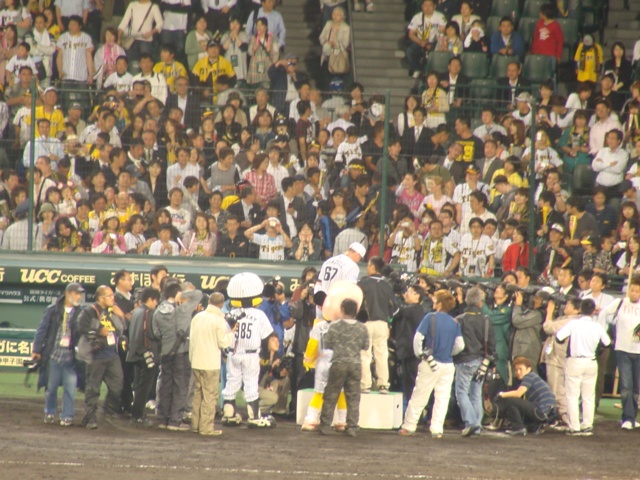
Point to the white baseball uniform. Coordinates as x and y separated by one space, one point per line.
243 362
333 269
323 363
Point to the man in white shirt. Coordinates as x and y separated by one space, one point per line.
626 349
44 145
75 64
424 28
157 80
174 23
611 163
180 170
602 122
484 131
180 218
462 197
581 370
523 110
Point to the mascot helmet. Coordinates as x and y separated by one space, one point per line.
339 291
245 290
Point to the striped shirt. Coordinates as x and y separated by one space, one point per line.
336 268
346 238
74 55
404 251
176 174
271 248
538 392
252 329
474 260
436 255
122 83
462 197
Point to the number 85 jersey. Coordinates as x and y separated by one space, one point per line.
252 329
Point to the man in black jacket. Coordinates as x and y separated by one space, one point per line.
124 300
404 326
141 341
480 343
511 86
282 75
54 348
100 328
189 104
379 303
303 311
247 210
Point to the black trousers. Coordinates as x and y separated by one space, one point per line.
174 388
520 412
127 383
345 376
107 370
409 374
143 383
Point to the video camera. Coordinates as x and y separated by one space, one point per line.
400 281
285 364
32 365
527 292
233 316
558 298
272 287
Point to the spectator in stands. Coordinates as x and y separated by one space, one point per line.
473 148
604 121
477 251
424 30
476 41
545 156
109 240
274 20
208 69
489 164
164 245
44 145
604 214
588 60
449 40
574 142
548 38
506 41
264 51
517 254
180 217
335 36
611 162
199 241
607 92
169 67
285 80
465 18
620 66
595 258
142 20
455 84
107 55
511 87
10 49
197 40
578 223
415 141
405 118
523 111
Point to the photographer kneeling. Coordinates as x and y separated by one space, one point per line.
274 377
531 413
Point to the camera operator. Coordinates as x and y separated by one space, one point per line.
54 348
499 312
379 302
554 354
404 326
275 307
303 312
531 412
100 329
274 383
527 328
429 287
171 322
142 343
479 346
124 305
523 275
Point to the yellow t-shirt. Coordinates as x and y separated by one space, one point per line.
589 71
54 31
203 70
171 72
56 118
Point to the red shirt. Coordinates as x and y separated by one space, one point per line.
515 256
548 39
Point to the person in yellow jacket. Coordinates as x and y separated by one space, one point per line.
209 68
169 67
588 60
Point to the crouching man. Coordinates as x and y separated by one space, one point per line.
531 413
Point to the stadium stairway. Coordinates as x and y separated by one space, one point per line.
623 24
302 21
379 52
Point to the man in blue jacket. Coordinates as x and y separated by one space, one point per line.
54 347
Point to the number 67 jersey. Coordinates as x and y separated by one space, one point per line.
336 268
252 329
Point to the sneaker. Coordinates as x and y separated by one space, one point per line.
383 389
351 432
162 426
416 75
365 390
626 425
66 422
91 426
310 427
369 7
142 422
340 427
521 432
586 432
213 433
49 419
263 422
436 435
151 405
466 432
406 433
573 433
183 427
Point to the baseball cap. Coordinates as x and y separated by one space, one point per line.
524 97
558 228
587 40
472 169
358 248
281 138
281 121
213 43
588 240
75 105
74 287
50 89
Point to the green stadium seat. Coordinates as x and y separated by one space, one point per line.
532 8
483 88
493 24
570 29
526 27
584 179
438 61
506 8
537 68
475 65
499 64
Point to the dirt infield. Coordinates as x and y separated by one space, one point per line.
29 450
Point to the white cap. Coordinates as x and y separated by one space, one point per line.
358 248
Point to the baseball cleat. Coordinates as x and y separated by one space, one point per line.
310 427
232 421
262 422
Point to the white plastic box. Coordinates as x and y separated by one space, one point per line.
379 412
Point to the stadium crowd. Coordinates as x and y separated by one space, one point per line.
272 169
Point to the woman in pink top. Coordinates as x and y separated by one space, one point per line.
263 182
407 194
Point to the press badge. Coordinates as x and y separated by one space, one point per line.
111 339
65 341
260 68
234 60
